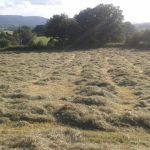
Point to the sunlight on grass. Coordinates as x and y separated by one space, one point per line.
74 100
44 39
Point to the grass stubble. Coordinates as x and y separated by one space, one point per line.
81 100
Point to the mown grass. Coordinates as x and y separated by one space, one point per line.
75 100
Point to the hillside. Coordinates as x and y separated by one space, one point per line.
80 100
14 20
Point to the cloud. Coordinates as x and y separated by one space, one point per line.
47 8
45 2
34 2
31 7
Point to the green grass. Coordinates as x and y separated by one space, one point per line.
6 30
44 39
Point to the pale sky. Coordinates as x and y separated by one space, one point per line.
133 10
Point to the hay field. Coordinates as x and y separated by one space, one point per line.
79 100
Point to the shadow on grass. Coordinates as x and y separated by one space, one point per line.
136 48
69 48
30 49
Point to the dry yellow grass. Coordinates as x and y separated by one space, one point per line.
125 93
96 99
50 89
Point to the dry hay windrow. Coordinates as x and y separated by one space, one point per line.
44 96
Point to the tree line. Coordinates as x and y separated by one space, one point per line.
92 27
21 36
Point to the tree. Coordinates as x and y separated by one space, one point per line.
24 35
128 30
62 28
4 43
100 25
91 27
6 40
40 30
139 39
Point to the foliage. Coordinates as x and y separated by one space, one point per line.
4 43
39 30
38 44
24 35
139 39
62 28
91 27
128 30
6 40
44 39
100 25
53 43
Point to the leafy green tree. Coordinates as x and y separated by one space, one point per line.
4 43
40 30
24 35
100 25
139 39
128 30
91 27
62 28
6 40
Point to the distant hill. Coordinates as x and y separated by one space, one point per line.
142 26
15 20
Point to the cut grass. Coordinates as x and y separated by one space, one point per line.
75 100
83 119
96 100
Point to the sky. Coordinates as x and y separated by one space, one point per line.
135 11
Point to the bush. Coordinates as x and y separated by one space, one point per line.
39 44
53 43
4 43
24 35
139 39
134 40
6 40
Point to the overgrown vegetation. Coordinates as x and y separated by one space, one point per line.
21 36
6 40
24 35
104 22
92 27
140 39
